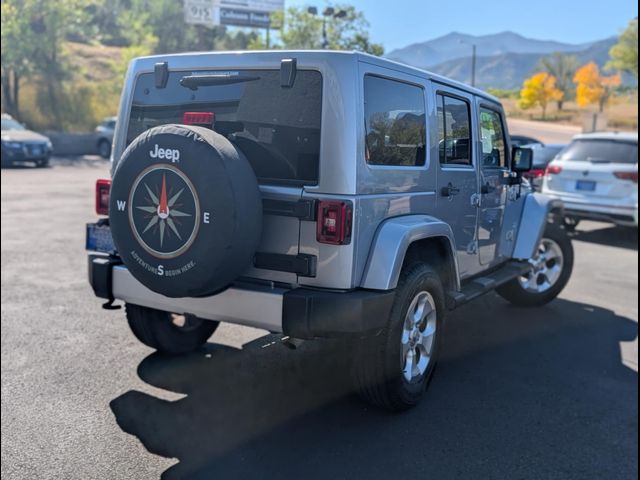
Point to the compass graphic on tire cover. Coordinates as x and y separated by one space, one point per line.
164 211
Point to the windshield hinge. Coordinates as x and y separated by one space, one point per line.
288 70
161 73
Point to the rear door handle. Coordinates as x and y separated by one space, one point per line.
449 190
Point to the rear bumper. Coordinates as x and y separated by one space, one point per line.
618 214
298 312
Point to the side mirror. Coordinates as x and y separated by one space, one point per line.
522 160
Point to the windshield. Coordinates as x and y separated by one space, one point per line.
601 151
277 128
9 124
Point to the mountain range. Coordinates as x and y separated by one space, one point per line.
504 60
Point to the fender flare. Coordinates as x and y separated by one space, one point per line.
390 245
535 213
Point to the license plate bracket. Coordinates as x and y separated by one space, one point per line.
99 239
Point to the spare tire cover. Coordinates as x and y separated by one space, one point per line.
185 211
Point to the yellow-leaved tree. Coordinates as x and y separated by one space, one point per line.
594 88
540 89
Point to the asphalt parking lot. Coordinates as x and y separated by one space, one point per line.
547 393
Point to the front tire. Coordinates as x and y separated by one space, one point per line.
168 333
550 271
392 369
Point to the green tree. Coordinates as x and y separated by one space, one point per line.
17 53
33 44
301 29
624 54
563 68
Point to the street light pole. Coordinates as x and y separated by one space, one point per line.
474 57
325 40
327 13
473 65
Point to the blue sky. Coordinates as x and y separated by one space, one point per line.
399 23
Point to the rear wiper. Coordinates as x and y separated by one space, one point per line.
192 82
598 160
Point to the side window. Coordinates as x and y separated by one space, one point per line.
454 131
494 145
394 123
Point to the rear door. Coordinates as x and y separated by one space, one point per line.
457 175
276 127
494 173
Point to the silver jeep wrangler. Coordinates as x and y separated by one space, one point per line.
317 195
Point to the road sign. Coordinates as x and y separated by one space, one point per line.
199 12
242 13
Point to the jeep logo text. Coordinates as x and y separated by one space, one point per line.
165 153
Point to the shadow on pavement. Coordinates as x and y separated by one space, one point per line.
612 236
519 393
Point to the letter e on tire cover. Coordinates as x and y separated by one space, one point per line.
185 211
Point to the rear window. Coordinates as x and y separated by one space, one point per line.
394 123
543 156
601 151
278 129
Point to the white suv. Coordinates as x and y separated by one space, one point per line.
596 177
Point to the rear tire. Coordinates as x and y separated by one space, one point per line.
550 273
392 369
161 331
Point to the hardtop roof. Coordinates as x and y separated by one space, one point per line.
359 56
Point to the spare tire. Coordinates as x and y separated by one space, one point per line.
185 211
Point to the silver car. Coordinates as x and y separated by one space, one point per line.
104 136
317 195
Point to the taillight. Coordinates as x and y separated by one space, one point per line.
629 176
536 173
204 119
334 222
554 170
103 187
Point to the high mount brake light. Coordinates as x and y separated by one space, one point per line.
205 119
554 170
630 176
335 220
103 188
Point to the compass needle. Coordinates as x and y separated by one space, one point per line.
153 221
147 209
174 199
154 198
178 213
172 226
161 231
